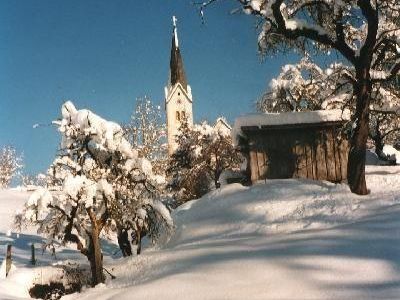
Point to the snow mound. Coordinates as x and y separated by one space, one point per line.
271 207
392 152
279 239
371 158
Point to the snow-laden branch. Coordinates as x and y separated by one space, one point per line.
386 75
100 182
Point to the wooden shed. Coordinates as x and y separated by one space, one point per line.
294 145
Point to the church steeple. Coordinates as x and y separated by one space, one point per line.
178 94
177 72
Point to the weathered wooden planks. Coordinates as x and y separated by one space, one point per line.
318 152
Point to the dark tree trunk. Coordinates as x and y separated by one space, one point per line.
123 242
378 142
138 241
217 175
358 141
377 137
95 258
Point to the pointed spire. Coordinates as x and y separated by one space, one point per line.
177 72
174 19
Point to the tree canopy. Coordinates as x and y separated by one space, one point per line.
363 33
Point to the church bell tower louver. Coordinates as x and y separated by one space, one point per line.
178 94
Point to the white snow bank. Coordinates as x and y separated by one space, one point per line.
22 275
20 281
286 239
10 201
392 152
3 268
283 239
373 159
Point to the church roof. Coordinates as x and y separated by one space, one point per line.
177 72
222 120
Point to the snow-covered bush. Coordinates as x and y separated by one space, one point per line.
10 165
99 183
203 153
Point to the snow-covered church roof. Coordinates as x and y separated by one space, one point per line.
223 126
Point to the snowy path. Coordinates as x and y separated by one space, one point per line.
285 239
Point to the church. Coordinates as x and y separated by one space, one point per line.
178 95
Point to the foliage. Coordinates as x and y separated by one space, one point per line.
384 129
34 180
364 34
146 132
203 153
305 86
99 183
10 165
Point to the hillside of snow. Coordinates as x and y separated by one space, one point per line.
279 239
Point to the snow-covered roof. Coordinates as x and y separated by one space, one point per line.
222 121
222 126
288 118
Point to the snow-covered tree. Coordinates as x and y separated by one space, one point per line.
184 184
10 165
305 86
99 183
214 152
363 33
384 129
146 132
203 153
34 180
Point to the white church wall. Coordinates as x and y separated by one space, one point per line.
178 107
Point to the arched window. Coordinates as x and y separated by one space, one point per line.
183 115
178 116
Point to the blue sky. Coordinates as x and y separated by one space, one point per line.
103 54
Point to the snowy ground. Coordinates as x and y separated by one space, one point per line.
283 239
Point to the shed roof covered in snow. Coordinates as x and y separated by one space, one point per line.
288 119
291 118
294 145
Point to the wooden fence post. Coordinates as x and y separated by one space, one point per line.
33 259
8 259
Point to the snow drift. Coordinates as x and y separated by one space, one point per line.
280 239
